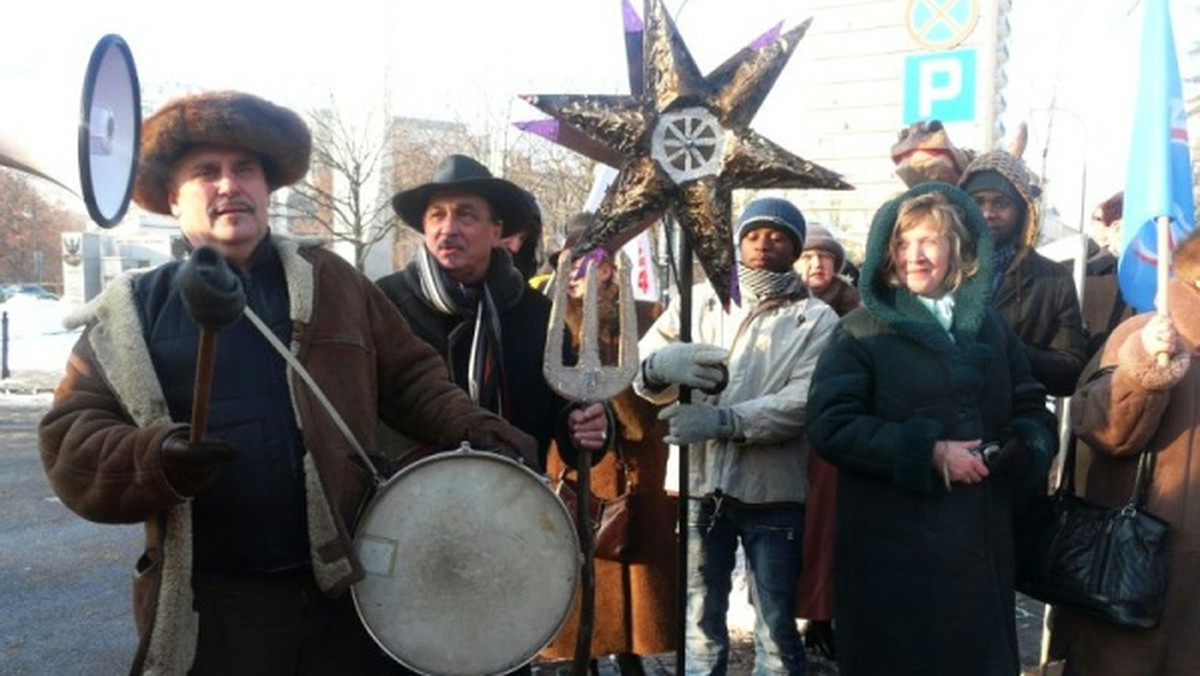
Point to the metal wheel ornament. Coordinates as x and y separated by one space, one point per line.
688 144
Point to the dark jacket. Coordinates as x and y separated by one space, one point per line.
524 316
100 442
924 574
840 295
1103 305
1037 299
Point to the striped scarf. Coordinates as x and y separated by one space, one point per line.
759 286
486 382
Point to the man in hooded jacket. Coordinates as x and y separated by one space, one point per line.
1035 295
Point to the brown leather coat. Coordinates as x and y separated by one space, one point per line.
100 442
1142 405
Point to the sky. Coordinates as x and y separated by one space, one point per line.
469 59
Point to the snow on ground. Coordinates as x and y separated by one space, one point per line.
38 345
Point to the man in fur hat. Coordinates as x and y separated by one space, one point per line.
248 558
1035 295
464 297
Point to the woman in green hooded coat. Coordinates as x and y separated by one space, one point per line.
912 386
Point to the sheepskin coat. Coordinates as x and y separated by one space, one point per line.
1142 405
100 442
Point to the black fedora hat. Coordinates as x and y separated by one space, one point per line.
459 172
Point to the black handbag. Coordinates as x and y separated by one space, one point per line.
1107 562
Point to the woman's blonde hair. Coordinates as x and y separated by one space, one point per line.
934 206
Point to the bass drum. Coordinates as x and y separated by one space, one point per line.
471 565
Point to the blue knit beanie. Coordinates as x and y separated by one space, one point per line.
777 212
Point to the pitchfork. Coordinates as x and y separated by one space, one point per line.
586 382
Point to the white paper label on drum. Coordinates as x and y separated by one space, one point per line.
378 555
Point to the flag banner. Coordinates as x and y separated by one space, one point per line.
1159 175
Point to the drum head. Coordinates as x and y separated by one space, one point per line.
471 565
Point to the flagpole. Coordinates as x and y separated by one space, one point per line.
1161 299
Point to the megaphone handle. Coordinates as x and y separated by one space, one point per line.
203 386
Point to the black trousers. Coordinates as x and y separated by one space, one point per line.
281 625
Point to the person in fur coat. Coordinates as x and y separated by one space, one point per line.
636 606
911 383
1129 401
249 558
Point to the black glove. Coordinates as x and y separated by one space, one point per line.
189 467
1013 461
507 441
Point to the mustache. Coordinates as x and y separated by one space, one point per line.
232 204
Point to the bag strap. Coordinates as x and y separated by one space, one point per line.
1141 483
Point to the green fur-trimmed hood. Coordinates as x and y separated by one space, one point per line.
898 306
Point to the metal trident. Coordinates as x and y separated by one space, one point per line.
589 380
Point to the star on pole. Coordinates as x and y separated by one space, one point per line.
683 143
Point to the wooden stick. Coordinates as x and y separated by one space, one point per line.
205 356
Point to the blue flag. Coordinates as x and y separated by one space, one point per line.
1159 176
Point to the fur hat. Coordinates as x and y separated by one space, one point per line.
225 119
777 212
819 237
1005 173
460 172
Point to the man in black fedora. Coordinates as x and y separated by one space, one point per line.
465 298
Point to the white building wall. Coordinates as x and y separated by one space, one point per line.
845 91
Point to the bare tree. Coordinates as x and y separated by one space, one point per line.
342 197
30 232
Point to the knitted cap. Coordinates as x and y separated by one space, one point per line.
1006 168
775 212
819 237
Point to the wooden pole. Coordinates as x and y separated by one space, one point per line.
684 272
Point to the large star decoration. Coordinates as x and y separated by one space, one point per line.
682 144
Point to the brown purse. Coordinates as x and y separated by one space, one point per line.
609 518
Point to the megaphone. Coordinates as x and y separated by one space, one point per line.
85 139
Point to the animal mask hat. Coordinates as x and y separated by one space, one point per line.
1005 173
459 172
224 119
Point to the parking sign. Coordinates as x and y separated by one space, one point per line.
940 85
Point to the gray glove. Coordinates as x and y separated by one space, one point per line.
697 365
697 422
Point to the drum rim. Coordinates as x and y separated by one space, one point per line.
465 451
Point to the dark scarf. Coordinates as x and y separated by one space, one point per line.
486 381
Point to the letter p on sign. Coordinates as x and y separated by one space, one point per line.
940 85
